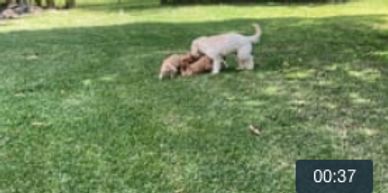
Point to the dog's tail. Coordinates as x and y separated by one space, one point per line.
256 37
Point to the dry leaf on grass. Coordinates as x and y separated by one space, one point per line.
254 130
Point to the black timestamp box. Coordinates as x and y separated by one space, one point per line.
334 176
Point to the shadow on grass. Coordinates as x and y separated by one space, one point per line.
88 100
124 6
155 5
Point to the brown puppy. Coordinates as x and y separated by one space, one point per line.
174 63
203 64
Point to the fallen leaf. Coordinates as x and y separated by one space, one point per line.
254 130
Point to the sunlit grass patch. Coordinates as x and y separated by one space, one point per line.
82 108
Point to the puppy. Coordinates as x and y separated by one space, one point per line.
173 63
202 65
218 46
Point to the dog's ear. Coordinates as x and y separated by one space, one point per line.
186 60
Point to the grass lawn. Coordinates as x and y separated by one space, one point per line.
82 109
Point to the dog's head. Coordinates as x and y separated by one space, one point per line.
187 59
167 70
173 64
195 46
169 67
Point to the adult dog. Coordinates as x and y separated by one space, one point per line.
218 46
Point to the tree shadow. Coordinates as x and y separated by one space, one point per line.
128 6
123 6
254 3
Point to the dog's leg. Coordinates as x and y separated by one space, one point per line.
246 64
223 63
249 63
217 64
245 59
241 64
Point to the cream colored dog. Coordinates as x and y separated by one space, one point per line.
218 46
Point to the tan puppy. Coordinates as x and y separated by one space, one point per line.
174 63
203 64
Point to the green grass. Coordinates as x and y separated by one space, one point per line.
82 109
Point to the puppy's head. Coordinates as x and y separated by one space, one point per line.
187 59
167 70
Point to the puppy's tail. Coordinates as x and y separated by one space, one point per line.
255 38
